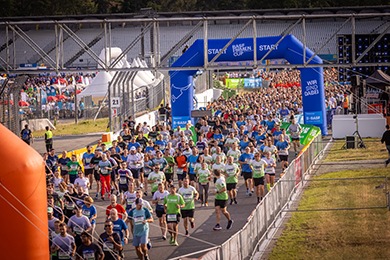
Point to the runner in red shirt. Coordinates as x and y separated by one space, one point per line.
114 205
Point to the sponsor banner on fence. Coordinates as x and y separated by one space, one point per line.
308 132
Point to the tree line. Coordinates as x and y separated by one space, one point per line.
12 8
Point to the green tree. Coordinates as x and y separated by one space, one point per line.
133 6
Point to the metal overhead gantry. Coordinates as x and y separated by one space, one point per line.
12 31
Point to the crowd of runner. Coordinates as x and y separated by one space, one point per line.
158 171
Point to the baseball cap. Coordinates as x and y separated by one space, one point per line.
50 210
138 201
133 148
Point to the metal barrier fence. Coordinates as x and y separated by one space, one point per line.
123 103
243 244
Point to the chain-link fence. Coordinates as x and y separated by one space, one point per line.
12 113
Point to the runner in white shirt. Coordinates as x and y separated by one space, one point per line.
234 152
269 170
158 200
82 181
258 165
189 195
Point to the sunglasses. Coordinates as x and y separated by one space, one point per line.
107 225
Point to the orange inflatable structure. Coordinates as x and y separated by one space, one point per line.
23 203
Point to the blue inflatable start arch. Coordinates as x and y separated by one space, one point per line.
241 49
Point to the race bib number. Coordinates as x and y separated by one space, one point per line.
78 230
130 201
172 217
139 220
63 255
86 213
89 255
179 171
73 166
187 196
108 246
122 180
64 167
104 171
70 205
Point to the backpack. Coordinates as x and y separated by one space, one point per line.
25 134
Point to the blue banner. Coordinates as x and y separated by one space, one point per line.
242 49
180 121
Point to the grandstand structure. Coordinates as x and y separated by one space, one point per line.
67 44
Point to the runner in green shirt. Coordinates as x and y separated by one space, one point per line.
73 168
173 203
169 169
231 171
156 177
204 177
221 198
258 166
189 195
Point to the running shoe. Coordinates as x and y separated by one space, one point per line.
145 194
235 201
192 224
217 227
96 196
164 238
250 194
149 245
171 241
175 243
202 205
230 224
187 233
146 257
206 204
247 193
231 202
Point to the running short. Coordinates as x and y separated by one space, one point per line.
88 172
135 173
247 175
72 178
283 157
182 176
270 173
187 213
192 177
113 175
160 213
140 240
171 218
220 203
231 186
63 173
258 181
123 187
295 138
96 175
168 177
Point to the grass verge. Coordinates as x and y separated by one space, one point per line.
374 150
83 127
345 234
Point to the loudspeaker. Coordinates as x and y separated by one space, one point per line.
362 89
350 141
355 80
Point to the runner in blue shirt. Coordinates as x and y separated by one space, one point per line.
246 170
192 160
141 218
